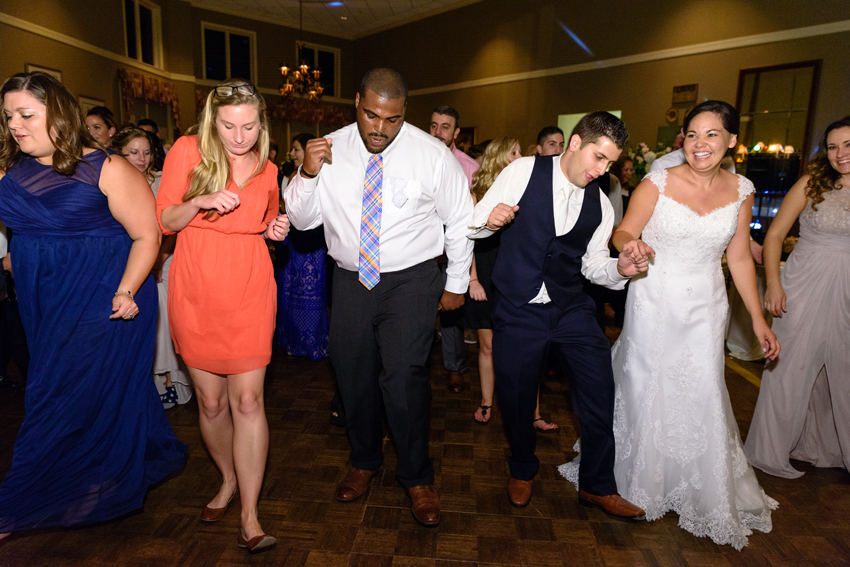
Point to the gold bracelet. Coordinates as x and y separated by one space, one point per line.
120 291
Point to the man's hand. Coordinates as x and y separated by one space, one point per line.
501 215
316 154
634 258
451 301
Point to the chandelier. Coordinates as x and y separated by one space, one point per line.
301 80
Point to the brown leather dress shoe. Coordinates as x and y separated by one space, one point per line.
613 504
354 485
519 492
426 505
215 514
456 383
256 544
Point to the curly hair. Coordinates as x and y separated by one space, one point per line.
496 158
822 176
64 121
127 135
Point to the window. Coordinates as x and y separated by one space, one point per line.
143 31
228 52
326 60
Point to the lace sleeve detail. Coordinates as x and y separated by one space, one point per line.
659 178
745 188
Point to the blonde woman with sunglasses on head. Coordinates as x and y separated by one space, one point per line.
219 194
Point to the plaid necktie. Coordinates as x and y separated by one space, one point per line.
370 224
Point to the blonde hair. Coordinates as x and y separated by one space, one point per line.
213 172
496 158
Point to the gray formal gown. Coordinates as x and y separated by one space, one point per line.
677 443
803 409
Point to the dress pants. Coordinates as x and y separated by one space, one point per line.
380 340
522 339
454 349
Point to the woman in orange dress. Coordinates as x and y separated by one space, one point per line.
221 297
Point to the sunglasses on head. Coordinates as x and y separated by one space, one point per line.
247 90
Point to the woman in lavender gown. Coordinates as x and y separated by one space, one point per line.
803 409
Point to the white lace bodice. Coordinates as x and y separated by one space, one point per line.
832 215
677 233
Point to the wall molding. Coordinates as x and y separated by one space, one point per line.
73 42
685 51
105 53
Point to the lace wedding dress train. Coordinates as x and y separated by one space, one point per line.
677 442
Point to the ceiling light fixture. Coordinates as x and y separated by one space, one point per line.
302 80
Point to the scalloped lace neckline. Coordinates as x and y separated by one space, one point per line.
718 209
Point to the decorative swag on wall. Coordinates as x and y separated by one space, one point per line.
296 109
149 89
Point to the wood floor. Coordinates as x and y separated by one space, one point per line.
308 457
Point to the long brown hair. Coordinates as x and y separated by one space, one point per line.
213 172
65 126
823 176
127 135
496 158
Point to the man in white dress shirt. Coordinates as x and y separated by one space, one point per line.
384 191
555 223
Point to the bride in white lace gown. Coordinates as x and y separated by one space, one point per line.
677 442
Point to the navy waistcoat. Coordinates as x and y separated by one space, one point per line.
530 253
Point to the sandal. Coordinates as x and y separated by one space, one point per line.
545 423
484 410
169 398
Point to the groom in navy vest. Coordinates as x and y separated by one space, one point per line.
556 224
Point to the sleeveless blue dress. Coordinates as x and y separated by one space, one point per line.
95 436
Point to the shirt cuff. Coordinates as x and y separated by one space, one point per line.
309 184
457 285
617 279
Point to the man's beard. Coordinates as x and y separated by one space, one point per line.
365 138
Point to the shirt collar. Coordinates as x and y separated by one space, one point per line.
560 181
365 154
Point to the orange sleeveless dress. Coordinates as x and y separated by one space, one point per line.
221 289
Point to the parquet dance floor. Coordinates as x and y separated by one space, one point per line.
308 457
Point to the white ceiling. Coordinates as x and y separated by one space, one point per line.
351 20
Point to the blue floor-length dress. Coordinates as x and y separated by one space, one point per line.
95 436
303 322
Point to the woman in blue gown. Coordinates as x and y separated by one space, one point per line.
303 321
95 436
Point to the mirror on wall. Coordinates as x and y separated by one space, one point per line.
777 105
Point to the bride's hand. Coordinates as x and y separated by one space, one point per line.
774 300
638 251
767 339
634 258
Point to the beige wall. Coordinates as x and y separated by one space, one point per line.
500 37
483 40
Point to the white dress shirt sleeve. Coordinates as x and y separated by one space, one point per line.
597 265
302 202
454 207
508 188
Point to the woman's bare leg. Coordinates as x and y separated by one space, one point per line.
539 422
250 442
485 372
216 428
